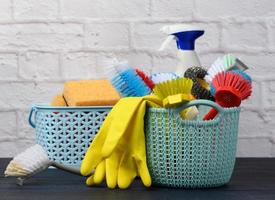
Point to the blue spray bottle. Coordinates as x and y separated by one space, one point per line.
185 36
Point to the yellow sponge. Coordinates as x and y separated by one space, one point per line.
58 100
90 93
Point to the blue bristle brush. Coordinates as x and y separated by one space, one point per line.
125 79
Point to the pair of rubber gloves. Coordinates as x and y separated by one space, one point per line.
118 152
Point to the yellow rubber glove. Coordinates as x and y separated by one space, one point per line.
117 135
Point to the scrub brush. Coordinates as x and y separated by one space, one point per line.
230 89
236 71
174 92
147 80
200 89
164 76
125 79
32 161
226 63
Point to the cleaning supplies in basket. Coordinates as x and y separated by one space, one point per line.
230 88
200 89
90 92
185 36
118 151
174 92
127 81
226 63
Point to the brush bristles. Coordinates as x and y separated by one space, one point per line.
28 162
233 81
173 87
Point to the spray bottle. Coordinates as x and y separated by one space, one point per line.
185 36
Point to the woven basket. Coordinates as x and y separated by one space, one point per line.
66 132
191 154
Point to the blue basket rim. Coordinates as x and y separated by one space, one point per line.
49 107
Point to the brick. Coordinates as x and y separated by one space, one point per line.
105 9
162 63
107 35
269 94
259 127
8 149
7 125
272 34
235 8
254 147
35 9
235 36
172 8
5 10
148 36
38 36
25 131
39 66
207 58
8 66
79 66
137 59
260 64
22 95
22 145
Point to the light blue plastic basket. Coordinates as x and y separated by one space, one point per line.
66 132
191 154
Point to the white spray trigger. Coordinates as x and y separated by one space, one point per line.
166 42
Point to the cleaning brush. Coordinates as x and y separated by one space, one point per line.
125 79
174 92
200 88
162 77
147 80
32 161
235 71
226 63
230 89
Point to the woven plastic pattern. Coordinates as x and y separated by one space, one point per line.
66 134
191 154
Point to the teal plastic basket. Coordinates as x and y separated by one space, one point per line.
191 154
65 133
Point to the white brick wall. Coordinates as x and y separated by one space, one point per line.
45 42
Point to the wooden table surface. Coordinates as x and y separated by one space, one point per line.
253 178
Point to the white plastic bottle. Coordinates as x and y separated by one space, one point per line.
185 36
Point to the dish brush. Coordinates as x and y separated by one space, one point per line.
230 89
164 76
174 92
125 79
200 89
30 162
235 71
226 63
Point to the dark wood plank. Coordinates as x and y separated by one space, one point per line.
253 178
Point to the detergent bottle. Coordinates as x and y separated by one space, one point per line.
185 36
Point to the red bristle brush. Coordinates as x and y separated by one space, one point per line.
145 78
231 89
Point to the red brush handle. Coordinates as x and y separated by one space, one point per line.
211 114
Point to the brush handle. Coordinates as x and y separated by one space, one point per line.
211 114
212 104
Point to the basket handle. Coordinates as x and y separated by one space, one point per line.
200 102
31 122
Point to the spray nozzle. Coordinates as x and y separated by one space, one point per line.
185 36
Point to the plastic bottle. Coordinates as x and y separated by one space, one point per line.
185 36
